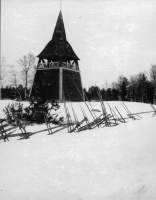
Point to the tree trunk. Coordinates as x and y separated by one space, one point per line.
19 94
26 83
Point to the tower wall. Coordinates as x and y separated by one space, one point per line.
72 86
46 84
57 84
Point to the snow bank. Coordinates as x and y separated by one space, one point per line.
115 163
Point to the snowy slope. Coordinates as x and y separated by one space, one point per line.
101 164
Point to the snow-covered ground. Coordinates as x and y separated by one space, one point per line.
114 163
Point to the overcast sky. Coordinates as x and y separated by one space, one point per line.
111 37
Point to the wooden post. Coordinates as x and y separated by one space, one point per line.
60 83
82 87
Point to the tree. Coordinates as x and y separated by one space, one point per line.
115 91
109 94
150 91
85 94
93 93
2 73
14 79
132 88
106 87
103 93
123 87
28 64
142 87
153 80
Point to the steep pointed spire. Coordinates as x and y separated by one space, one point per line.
58 48
59 32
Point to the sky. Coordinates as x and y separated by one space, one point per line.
111 37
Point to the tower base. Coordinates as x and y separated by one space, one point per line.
57 84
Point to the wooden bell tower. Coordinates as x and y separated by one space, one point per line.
58 75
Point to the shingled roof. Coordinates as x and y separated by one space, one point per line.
58 48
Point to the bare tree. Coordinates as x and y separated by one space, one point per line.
153 80
2 73
114 85
28 64
14 79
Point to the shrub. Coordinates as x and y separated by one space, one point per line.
14 112
34 113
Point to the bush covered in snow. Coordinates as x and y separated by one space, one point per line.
36 112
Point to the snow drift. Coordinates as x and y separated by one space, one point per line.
104 163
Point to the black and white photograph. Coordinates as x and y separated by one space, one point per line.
78 100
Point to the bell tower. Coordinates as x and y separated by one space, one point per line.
57 74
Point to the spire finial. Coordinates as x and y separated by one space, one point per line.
60 4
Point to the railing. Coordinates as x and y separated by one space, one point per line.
58 64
